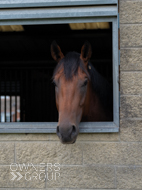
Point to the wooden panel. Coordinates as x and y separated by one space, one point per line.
11 28
42 3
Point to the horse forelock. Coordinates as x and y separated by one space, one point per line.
69 66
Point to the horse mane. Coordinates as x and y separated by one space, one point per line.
101 87
71 62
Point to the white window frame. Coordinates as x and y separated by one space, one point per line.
29 12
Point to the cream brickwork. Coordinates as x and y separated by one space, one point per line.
129 177
131 130
131 59
130 35
96 161
131 83
130 11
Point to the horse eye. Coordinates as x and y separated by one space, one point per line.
85 83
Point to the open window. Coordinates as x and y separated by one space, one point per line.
27 94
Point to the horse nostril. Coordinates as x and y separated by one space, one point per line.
73 129
57 129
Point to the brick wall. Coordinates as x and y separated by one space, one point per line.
129 174
96 161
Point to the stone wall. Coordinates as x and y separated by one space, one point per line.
95 161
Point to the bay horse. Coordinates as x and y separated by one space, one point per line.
81 93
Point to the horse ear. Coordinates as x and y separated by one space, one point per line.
86 52
56 52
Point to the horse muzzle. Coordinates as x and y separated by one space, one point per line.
67 134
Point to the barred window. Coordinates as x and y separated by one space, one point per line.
27 103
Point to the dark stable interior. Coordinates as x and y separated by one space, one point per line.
26 65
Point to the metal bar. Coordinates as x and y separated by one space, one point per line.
38 97
32 94
10 89
64 20
21 96
49 99
0 95
0 106
66 12
84 125
19 108
42 3
50 127
115 73
52 114
38 130
43 95
26 99
15 95
5 94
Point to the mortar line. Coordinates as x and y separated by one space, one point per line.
129 71
131 119
132 1
46 177
130 24
97 165
82 157
130 47
119 136
17 188
78 142
14 153
115 177
137 95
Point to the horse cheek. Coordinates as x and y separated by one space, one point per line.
57 100
82 98
82 101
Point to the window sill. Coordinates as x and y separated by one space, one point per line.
46 127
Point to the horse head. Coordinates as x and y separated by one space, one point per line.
71 80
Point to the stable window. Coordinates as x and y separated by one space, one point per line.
27 100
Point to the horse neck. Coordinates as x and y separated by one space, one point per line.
93 110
